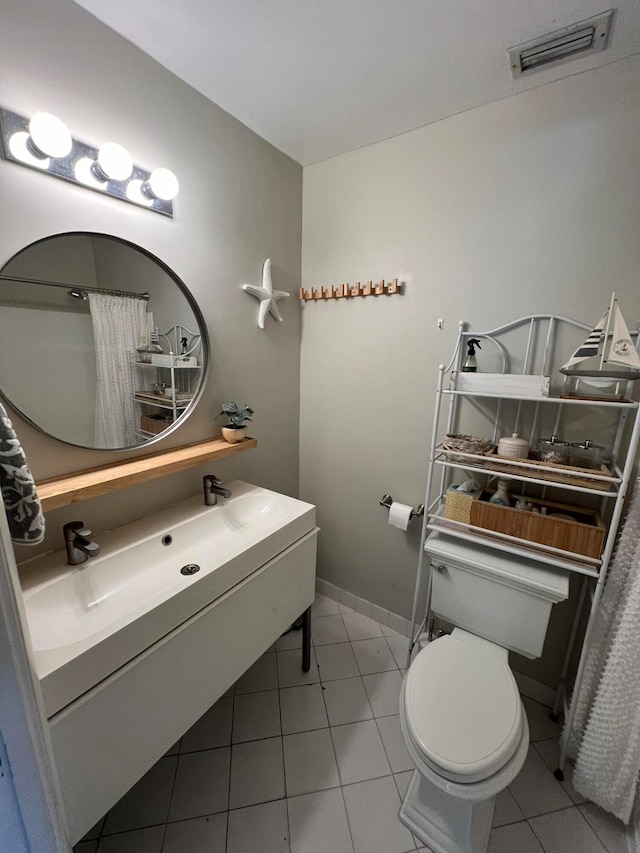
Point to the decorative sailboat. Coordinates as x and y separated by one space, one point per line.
608 353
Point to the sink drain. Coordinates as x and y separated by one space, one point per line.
190 569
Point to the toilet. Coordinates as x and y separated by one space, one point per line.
462 718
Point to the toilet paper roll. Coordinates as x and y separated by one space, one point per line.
399 515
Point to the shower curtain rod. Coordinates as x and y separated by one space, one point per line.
127 293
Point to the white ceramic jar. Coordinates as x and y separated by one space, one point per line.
512 445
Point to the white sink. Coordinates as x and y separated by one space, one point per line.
87 621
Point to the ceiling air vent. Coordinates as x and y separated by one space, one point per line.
571 42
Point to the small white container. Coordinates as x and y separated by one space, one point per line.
512 445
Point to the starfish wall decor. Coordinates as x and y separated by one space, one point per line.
267 296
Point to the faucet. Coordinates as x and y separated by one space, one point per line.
79 548
212 488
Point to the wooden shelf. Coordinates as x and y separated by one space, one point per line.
83 485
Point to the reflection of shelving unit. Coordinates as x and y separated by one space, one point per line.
603 490
164 384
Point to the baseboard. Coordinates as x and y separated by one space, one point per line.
528 686
361 605
535 690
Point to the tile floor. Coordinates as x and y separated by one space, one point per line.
288 762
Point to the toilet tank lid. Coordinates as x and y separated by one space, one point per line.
547 582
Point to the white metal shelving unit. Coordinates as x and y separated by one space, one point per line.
524 414
179 371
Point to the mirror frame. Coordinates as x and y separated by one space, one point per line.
193 305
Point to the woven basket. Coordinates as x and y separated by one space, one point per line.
452 445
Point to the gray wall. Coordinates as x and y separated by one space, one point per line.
239 203
523 206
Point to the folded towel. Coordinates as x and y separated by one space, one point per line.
24 512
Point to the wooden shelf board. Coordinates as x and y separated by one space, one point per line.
83 485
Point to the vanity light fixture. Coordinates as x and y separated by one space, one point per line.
45 143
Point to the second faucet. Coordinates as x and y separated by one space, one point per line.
213 487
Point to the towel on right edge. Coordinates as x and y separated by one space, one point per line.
21 503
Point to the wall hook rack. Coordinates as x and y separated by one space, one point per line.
347 291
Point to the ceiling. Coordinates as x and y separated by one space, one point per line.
317 78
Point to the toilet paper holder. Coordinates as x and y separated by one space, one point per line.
417 512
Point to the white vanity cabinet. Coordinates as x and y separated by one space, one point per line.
108 738
134 646
510 400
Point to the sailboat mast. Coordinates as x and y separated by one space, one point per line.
606 332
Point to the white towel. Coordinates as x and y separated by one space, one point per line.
23 509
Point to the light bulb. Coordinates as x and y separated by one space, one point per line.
20 149
135 194
84 172
48 136
162 184
114 163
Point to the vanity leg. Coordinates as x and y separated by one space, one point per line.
306 640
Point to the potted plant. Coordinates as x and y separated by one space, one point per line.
234 430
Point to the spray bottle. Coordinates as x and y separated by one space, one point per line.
470 365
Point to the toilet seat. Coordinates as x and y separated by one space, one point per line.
461 707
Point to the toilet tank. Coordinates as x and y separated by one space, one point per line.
493 594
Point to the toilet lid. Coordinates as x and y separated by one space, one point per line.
462 708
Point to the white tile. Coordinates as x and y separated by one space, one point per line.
566 830
213 729
506 810
324 606
373 655
611 831
359 752
399 646
348 600
346 701
362 606
516 838
256 716
290 671
535 788
388 631
372 809
402 781
328 629
549 751
323 587
262 675
398 623
309 762
302 709
336 661
257 772
541 726
393 742
291 640
198 835
202 784
263 828
383 690
147 803
380 615
138 841
318 823
344 609
361 627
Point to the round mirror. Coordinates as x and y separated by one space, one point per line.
101 344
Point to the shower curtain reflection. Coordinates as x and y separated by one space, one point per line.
118 324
